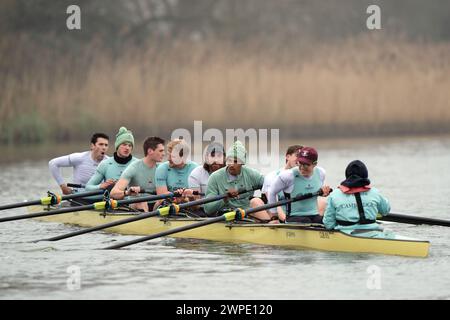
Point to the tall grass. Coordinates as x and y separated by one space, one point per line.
358 86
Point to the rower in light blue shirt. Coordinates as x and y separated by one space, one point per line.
353 207
174 178
172 175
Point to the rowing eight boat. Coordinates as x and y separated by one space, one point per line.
292 235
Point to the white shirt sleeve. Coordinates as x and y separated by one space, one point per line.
64 161
322 174
54 166
268 179
78 157
193 180
283 182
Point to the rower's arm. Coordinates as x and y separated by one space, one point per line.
70 160
95 181
54 166
160 190
212 191
277 186
194 183
117 192
280 210
329 217
383 205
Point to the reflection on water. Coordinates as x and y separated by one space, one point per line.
410 172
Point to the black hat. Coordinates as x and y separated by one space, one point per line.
356 175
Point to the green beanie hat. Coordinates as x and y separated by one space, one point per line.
124 135
237 151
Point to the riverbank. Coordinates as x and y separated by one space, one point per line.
359 86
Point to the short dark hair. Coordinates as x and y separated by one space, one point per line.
293 149
97 135
152 143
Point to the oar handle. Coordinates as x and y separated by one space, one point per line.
76 185
82 194
283 202
175 194
212 199
145 199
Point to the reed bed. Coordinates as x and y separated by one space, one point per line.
360 86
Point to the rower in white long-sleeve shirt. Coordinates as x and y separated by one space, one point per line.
306 178
290 162
84 163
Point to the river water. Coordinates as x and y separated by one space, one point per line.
411 172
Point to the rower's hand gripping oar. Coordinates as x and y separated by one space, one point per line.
164 211
76 185
404 218
238 214
51 199
82 186
101 205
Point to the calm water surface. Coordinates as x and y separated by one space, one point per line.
413 173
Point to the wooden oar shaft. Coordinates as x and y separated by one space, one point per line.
76 185
138 217
83 194
132 219
45 213
83 207
20 205
108 225
40 201
104 226
168 232
404 218
208 221
145 199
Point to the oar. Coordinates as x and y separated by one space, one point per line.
101 205
404 218
51 199
82 186
229 216
76 185
164 211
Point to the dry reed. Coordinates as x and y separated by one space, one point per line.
358 86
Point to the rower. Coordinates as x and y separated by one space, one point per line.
214 160
291 162
110 170
354 205
84 163
198 179
140 174
172 175
235 176
306 178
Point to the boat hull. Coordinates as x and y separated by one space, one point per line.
287 235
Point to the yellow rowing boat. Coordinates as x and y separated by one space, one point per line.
293 235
